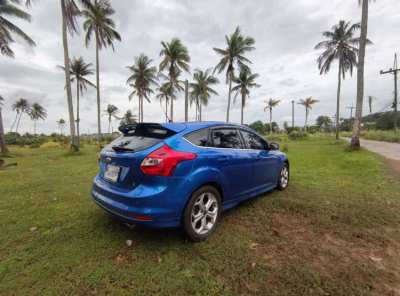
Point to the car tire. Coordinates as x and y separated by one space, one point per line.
283 179
202 213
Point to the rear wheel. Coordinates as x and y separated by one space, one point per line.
283 181
202 213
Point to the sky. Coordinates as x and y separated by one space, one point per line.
285 31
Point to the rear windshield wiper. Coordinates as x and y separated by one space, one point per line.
121 148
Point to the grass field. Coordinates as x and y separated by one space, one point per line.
335 231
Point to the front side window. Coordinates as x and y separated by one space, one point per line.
253 141
198 138
226 138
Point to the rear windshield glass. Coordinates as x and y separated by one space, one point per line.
140 138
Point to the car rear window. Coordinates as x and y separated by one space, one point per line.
140 137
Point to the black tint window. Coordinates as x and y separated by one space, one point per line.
253 141
199 138
226 138
139 138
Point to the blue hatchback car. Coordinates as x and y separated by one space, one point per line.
185 174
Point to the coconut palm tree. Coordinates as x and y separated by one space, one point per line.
79 70
201 89
355 138
270 104
128 118
36 112
20 107
143 77
111 112
61 125
175 59
244 82
339 44
98 22
8 30
232 56
3 146
308 104
165 92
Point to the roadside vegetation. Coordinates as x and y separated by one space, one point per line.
378 135
335 231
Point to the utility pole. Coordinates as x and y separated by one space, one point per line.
292 113
351 111
395 70
186 100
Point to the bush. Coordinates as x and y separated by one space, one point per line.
50 145
298 135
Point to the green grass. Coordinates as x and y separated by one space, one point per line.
377 135
335 231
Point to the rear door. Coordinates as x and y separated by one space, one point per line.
120 160
265 163
233 161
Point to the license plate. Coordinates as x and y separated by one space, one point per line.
112 173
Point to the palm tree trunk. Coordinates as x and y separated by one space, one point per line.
166 109
241 109
78 119
337 127
141 111
19 119
355 139
200 112
305 124
14 122
98 88
270 120
3 146
172 109
229 98
74 145
109 124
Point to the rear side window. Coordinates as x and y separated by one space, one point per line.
141 137
199 138
226 138
253 141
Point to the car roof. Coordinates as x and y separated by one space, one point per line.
195 125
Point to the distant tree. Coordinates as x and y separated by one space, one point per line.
340 44
370 99
324 123
201 89
36 112
165 92
61 125
232 56
98 21
8 29
307 103
142 79
175 59
128 118
20 107
3 146
270 104
244 82
259 127
111 112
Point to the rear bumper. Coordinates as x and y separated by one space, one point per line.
146 205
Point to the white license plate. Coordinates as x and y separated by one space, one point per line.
112 173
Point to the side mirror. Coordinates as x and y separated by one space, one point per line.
273 146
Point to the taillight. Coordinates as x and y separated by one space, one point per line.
163 161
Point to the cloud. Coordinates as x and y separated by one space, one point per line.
285 33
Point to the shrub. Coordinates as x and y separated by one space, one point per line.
298 135
50 145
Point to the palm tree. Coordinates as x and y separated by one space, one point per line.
3 146
175 60
244 82
78 71
339 45
270 104
128 118
98 22
37 112
355 138
61 125
370 99
201 89
232 56
20 107
111 112
307 103
9 30
143 77
165 92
